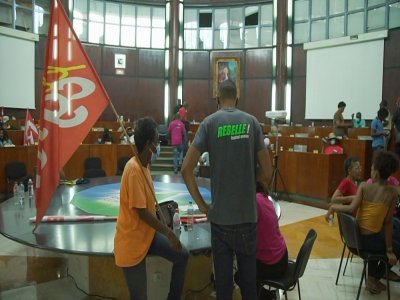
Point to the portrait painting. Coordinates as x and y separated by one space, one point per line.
224 69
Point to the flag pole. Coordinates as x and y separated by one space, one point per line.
136 154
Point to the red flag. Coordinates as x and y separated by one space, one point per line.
31 133
73 98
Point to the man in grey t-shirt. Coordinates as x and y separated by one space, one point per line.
235 144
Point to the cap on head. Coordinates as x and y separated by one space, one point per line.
331 136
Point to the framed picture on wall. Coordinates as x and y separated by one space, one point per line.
226 68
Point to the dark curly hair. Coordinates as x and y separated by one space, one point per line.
145 130
386 163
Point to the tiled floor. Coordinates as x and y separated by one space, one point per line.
318 282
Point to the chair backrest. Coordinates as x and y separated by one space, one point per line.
15 170
94 173
350 231
92 163
121 164
304 253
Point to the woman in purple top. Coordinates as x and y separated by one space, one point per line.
272 254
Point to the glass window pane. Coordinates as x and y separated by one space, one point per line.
143 16
376 18
96 34
236 17
205 39
301 10
96 11
266 36
318 8
251 37
112 34
158 17
143 37
394 15
128 15
251 16
24 20
112 13
267 14
355 23
336 27
80 10
44 4
300 33
24 3
336 7
355 4
128 36
157 38
235 38
5 14
318 30
80 28
375 2
221 19
190 39
220 39
191 18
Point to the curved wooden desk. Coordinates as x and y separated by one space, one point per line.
88 238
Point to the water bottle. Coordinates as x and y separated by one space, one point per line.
190 219
330 220
176 221
21 193
31 192
16 193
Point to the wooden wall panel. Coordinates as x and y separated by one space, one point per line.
392 46
256 97
197 94
298 108
258 63
196 64
149 99
391 86
151 63
94 53
299 61
40 52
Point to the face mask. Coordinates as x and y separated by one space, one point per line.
155 155
332 142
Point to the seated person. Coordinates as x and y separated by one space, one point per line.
358 122
272 254
375 205
4 139
106 138
347 189
123 138
333 148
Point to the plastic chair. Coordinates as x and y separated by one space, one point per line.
352 238
121 164
295 269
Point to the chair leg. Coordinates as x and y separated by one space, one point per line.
361 280
298 288
347 260
340 264
387 280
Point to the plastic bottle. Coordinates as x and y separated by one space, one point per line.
176 221
31 192
21 193
16 193
330 220
190 219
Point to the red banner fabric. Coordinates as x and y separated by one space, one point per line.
73 98
31 133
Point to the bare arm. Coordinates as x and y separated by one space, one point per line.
152 221
265 163
189 163
338 198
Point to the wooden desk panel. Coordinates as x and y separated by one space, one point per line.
93 136
16 136
74 167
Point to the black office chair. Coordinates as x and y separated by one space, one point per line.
15 171
163 134
93 168
341 258
295 269
121 164
351 236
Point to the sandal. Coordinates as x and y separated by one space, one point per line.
392 276
374 286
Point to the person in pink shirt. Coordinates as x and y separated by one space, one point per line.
176 132
272 254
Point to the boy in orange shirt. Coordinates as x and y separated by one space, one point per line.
139 233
